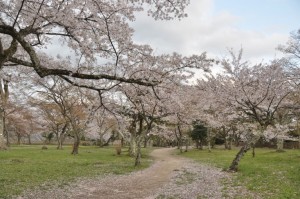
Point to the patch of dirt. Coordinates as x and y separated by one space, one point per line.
170 176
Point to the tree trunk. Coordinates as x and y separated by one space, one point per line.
133 146
279 144
61 137
4 94
180 145
209 139
19 139
122 142
60 141
198 144
237 140
186 145
179 138
201 145
209 146
230 144
238 157
76 145
138 154
253 151
59 144
6 131
226 144
145 142
29 139
2 143
2 138
7 138
101 141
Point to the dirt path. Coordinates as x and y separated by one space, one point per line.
170 176
140 184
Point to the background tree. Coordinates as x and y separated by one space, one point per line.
255 93
66 108
144 109
97 35
55 121
104 124
199 134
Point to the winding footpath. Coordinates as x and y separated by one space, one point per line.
170 176
139 184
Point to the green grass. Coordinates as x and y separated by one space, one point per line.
271 174
26 167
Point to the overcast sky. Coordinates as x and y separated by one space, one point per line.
258 26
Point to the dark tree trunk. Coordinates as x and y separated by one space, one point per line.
60 141
180 146
122 142
59 144
237 140
29 139
253 151
138 154
139 139
146 142
133 139
238 157
279 144
100 142
133 146
76 145
186 145
179 138
230 144
2 139
4 94
61 137
7 138
18 139
226 144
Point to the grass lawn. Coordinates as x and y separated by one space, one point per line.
271 174
25 167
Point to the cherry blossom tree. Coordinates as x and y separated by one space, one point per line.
22 121
104 123
55 121
219 118
147 106
292 59
65 108
97 32
95 38
143 109
180 118
254 93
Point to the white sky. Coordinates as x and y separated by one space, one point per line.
258 26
